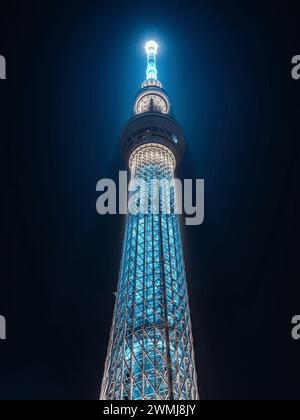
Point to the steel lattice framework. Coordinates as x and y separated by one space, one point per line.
150 354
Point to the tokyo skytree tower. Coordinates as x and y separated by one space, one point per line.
150 353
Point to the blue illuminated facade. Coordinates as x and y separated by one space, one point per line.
150 354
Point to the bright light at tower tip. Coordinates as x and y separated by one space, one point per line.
151 47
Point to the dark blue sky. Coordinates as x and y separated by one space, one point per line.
73 70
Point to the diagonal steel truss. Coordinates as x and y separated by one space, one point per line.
150 354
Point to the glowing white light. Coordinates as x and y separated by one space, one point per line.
151 47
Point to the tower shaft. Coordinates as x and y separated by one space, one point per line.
151 352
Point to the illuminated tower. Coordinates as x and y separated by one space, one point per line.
150 353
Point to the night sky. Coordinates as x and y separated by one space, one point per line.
73 69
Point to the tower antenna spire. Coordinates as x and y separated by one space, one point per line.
151 48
